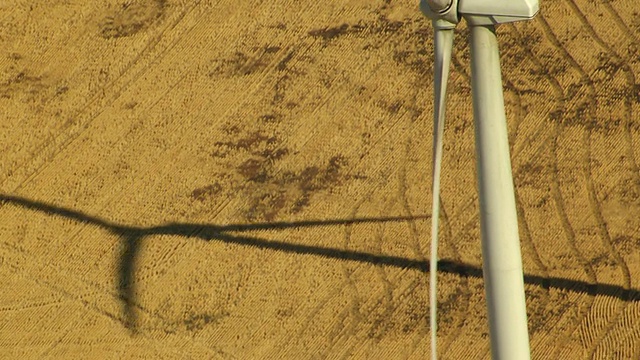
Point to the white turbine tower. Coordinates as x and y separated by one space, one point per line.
502 262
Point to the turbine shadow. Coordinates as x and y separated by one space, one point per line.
132 237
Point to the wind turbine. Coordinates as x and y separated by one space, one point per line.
502 261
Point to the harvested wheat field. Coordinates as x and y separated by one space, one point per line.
251 180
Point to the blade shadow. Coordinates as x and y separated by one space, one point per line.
132 236
126 284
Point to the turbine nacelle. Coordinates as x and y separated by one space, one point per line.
479 12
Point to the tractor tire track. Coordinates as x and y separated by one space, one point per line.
558 113
78 233
383 322
349 282
272 67
589 307
380 307
353 310
630 94
570 237
73 128
422 331
516 151
592 195
555 186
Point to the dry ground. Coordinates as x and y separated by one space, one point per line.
250 180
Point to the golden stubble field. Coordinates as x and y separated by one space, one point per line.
250 180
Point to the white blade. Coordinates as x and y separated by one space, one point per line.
443 43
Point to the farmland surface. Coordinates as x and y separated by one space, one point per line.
224 179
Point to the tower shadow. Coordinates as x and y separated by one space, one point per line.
132 237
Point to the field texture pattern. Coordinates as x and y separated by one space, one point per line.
223 179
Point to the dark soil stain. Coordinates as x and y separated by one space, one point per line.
241 64
533 175
22 83
380 26
203 193
417 315
253 170
61 90
15 56
257 143
268 118
330 33
199 321
289 191
448 307
282 65
132 17
540 310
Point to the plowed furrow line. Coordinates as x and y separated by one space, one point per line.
416 246
403 297
365 311
528 243
619 22
191 130
23 307
374 69
345 340
633 338
330 96
70 326
570 237
606 241
53 53
486 354
26 267
81 121
473 219
515 151
621 341
229 200
542 147
12 10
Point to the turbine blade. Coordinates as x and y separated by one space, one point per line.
443 44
